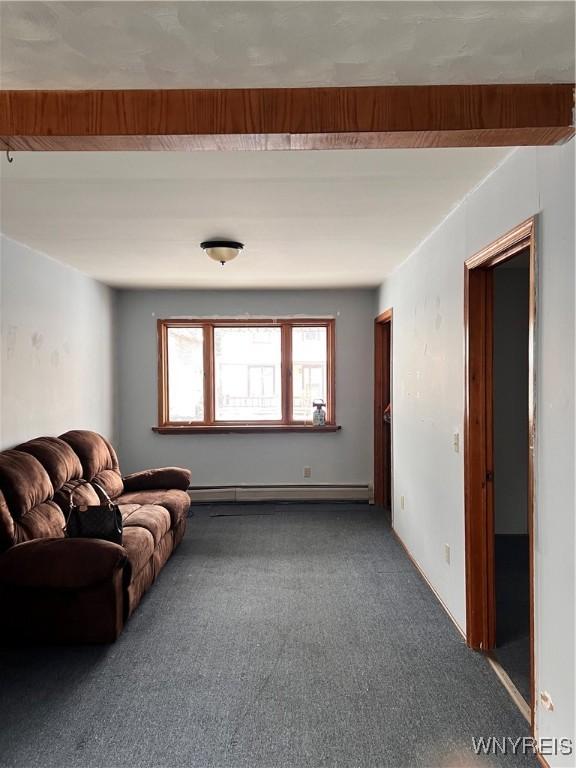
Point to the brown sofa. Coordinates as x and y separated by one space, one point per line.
59 590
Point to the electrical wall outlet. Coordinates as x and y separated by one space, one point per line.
456 442
447 553
307 471
402 503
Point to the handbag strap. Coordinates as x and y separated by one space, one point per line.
71 501
99 490
71 494
102 493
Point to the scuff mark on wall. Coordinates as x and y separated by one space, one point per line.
37 340
11 341
53 318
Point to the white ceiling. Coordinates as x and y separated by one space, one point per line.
308 219
290 44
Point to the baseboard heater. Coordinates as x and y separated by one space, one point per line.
245 493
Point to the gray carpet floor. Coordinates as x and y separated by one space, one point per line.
513 609
291 636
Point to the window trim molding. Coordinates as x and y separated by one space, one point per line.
209 424
239 428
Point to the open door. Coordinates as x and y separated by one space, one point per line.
383 410
485 472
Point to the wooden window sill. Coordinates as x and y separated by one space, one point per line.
208 429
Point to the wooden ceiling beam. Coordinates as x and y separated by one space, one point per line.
288 118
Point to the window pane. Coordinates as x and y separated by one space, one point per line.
247 372
309 370
185 374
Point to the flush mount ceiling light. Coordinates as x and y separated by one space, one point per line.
222 250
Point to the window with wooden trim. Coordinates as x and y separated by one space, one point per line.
244 373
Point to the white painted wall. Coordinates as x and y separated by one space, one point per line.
426 293
57 351
510 371
342 457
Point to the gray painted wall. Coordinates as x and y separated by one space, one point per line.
427 294
343 457
511 294
57 351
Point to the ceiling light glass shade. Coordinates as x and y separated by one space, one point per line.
222 250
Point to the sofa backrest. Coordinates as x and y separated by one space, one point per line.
27 510
64 470
98 459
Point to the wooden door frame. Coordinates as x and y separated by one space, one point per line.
478 438
382 326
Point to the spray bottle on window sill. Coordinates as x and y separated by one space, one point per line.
319 414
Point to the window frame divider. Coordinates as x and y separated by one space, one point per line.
286 374
209 383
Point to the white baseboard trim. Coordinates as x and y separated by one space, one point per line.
507 682
246 493
429 583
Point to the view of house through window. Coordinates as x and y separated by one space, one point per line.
186 374
309 369
247 374
234 372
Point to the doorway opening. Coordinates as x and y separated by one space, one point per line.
500 317
383 410
511 542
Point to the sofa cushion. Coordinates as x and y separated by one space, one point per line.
155 519
76 492
98 459
127 509
111 481
60 563
57 457
139 545
24 482
153 479
26 509
64 469
176 502
42 521
139 584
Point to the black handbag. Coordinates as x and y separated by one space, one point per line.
102 521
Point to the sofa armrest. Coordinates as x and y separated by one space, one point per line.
61 563
152 479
